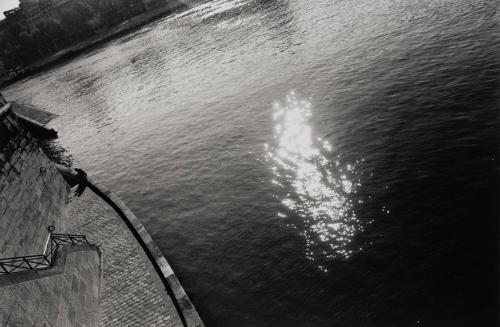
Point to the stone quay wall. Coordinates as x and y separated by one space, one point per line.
81 286
33 195
32 192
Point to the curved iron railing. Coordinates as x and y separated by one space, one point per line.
45 260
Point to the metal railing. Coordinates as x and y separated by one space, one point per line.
45 260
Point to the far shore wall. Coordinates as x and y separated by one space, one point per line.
32 192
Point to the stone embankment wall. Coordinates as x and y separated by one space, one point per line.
64 295
33 195
32 192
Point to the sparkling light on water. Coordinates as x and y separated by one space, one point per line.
312 186
211 8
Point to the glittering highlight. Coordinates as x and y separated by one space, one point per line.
321 188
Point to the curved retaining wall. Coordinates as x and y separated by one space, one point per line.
33 194
187 312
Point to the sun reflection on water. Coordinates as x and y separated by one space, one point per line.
315 188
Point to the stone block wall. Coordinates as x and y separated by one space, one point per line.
66 295
32 192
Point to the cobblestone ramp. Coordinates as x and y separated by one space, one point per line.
61 296
132 293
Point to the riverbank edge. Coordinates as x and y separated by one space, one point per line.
121 29
41 116
186 309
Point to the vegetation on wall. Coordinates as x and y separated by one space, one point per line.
27 38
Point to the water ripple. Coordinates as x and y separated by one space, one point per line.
319 188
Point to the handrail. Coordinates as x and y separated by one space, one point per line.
38 261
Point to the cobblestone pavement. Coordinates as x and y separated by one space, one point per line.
132 293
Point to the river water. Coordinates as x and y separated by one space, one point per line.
302 163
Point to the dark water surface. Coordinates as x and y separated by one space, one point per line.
303 163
